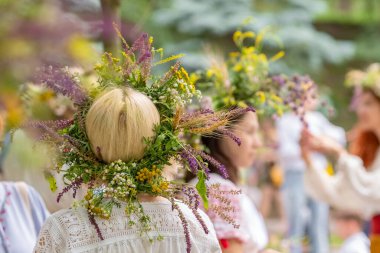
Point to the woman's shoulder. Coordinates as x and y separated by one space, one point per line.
68 217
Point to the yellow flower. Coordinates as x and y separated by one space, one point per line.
164 185
234 54
193 78
156 189
185 74
277 56
45 96
306 86
261 97
248 50
210 73
238 67
236 37
276 98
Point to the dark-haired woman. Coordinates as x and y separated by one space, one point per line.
248 233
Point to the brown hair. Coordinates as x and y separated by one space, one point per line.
366 143
213 144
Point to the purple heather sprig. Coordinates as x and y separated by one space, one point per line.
193 199
220 167
75 185
185 224
62 83
191 161
200 220
230 134
95 224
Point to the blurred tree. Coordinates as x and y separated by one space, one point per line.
307 49
111 15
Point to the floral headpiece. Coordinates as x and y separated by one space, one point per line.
294 92
119 182
365 79
243 79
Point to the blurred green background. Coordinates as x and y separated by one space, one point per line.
322 38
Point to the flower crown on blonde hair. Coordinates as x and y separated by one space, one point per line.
370 78
110 184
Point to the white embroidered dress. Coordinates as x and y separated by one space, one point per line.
70 231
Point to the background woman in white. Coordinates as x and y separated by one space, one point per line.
356 185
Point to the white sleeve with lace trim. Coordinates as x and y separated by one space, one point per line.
353 188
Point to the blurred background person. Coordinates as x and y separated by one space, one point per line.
271 175
349 226
355 187
304 213
22 212
28 161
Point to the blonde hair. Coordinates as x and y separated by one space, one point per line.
118 121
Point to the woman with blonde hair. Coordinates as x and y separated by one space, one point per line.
355 187
123 146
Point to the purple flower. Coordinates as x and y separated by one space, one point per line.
192 196
75 185
279 79
236 112
220 167
95 224
191 161
230 134
185 225
200 220
62 83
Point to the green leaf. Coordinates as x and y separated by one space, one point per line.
51 180
202 188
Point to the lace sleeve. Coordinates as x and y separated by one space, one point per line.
50 239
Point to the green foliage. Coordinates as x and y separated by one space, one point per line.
202 188
306 48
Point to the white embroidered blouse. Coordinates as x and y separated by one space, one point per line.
70 230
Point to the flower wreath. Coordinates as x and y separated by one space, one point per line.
243 79
109 185
365 79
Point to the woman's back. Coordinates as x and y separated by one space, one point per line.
70 230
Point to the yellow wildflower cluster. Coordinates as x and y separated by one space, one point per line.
146 175
162 186
94 209
182 74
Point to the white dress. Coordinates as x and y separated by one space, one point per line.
252 231
357 243
70 231
352 189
